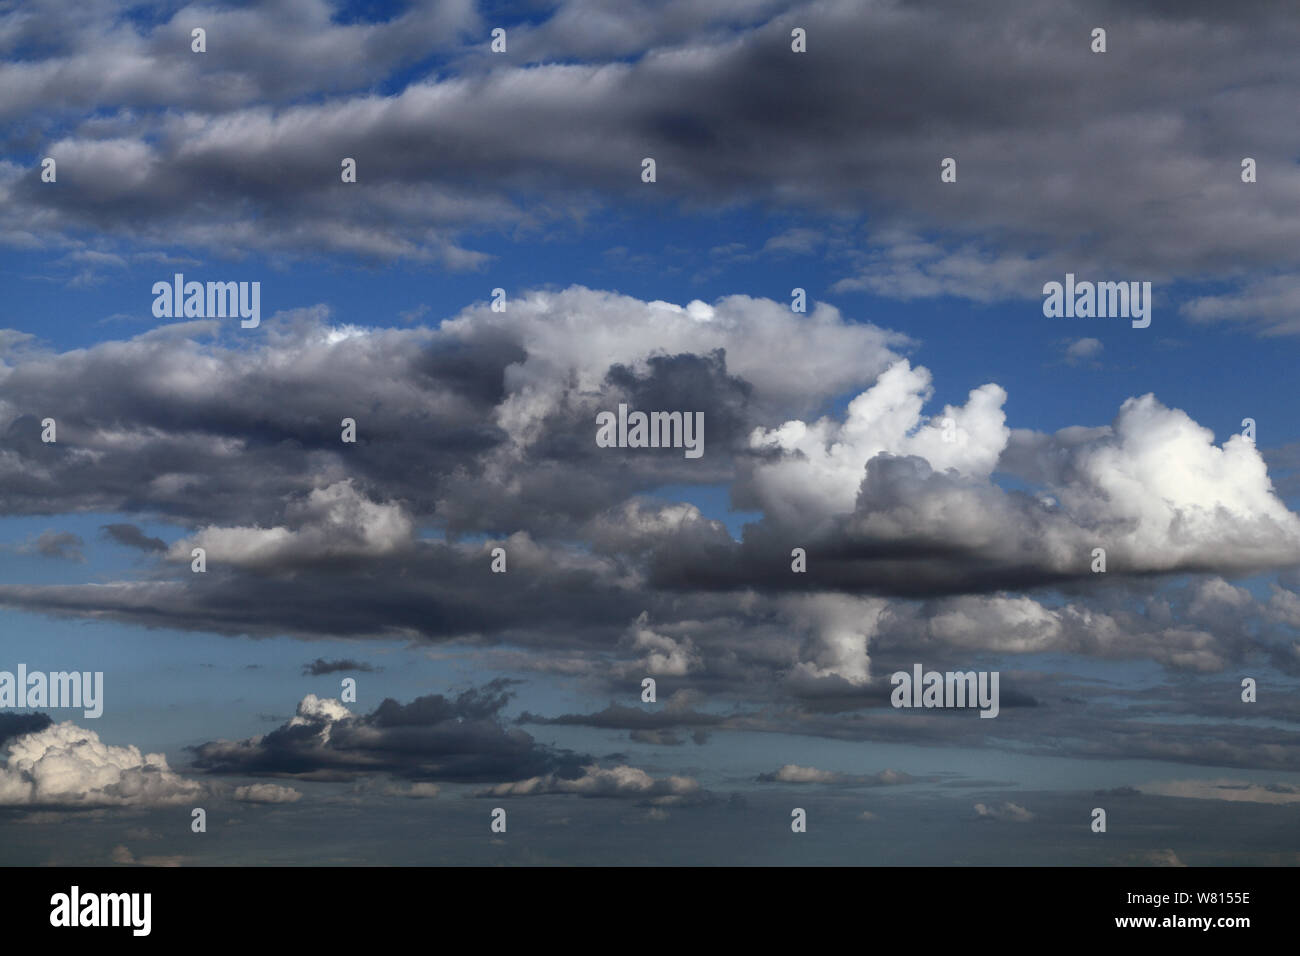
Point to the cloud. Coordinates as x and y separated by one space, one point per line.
945 529
675 712
416 791
1199 627
793 773
1164 857
18 725
334 522
1237 791
267 793
123 856
433 738
663 738
67 766
889 502
506 400
1266 304
946 532
885 480
321 666
63 545
244 136
131 536
799 241
1193 721
890 507
1118 792
664 656
1005 812
622 781
1083 351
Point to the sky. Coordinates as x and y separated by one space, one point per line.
910 463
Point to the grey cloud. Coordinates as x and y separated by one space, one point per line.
619 782
132 537
431 406
63 545
321 666
432 738
16 725
648 720
793 773
1145 176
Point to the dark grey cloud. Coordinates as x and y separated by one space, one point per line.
131 536
1145 729
434 591
321 666
15 725
432 738
645 719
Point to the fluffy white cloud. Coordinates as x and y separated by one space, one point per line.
572 337
821 470
1001 623
1083 350
842 627
1153 489
664 656
332 522
1160 494
319 711
67 765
